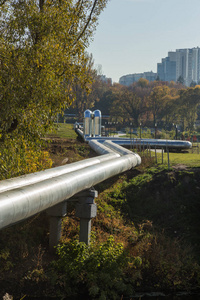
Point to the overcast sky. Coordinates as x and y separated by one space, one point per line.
134 35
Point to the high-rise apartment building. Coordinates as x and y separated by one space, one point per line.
167 69
183 63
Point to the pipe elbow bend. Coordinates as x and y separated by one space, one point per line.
138 159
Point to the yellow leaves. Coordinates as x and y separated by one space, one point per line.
18 157
38 63
36 161
41 57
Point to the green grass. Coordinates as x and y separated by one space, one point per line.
188 159
63 130
152 212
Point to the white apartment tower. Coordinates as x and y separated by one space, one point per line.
187 65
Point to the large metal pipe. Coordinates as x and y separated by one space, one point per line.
117 148
152 143
170 144
101 148
20 203
80 133
32 178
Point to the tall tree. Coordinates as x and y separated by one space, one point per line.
156 101
42 55
188 104
82 95
128 105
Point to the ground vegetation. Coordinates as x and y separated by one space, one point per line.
144 238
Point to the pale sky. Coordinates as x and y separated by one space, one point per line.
134 35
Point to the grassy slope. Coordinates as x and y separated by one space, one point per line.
189 159
64 131
153 211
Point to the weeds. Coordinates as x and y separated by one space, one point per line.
97 269
145 237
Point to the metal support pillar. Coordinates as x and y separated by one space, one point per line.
56 213
86 209
85 230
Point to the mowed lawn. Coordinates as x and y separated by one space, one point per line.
64 130
189 159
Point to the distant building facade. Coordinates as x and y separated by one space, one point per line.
167 69
183 63
131 78
106 79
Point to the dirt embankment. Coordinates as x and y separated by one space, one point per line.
166 201
63 151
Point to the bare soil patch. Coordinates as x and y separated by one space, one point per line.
180 167
64 151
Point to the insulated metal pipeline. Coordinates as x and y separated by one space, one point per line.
32 178
152 143
102 148
80 132
99 148
119 149
158 143
25 201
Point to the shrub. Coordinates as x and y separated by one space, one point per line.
96 270
18 157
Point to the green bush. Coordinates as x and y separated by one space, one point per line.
18 156
95 270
